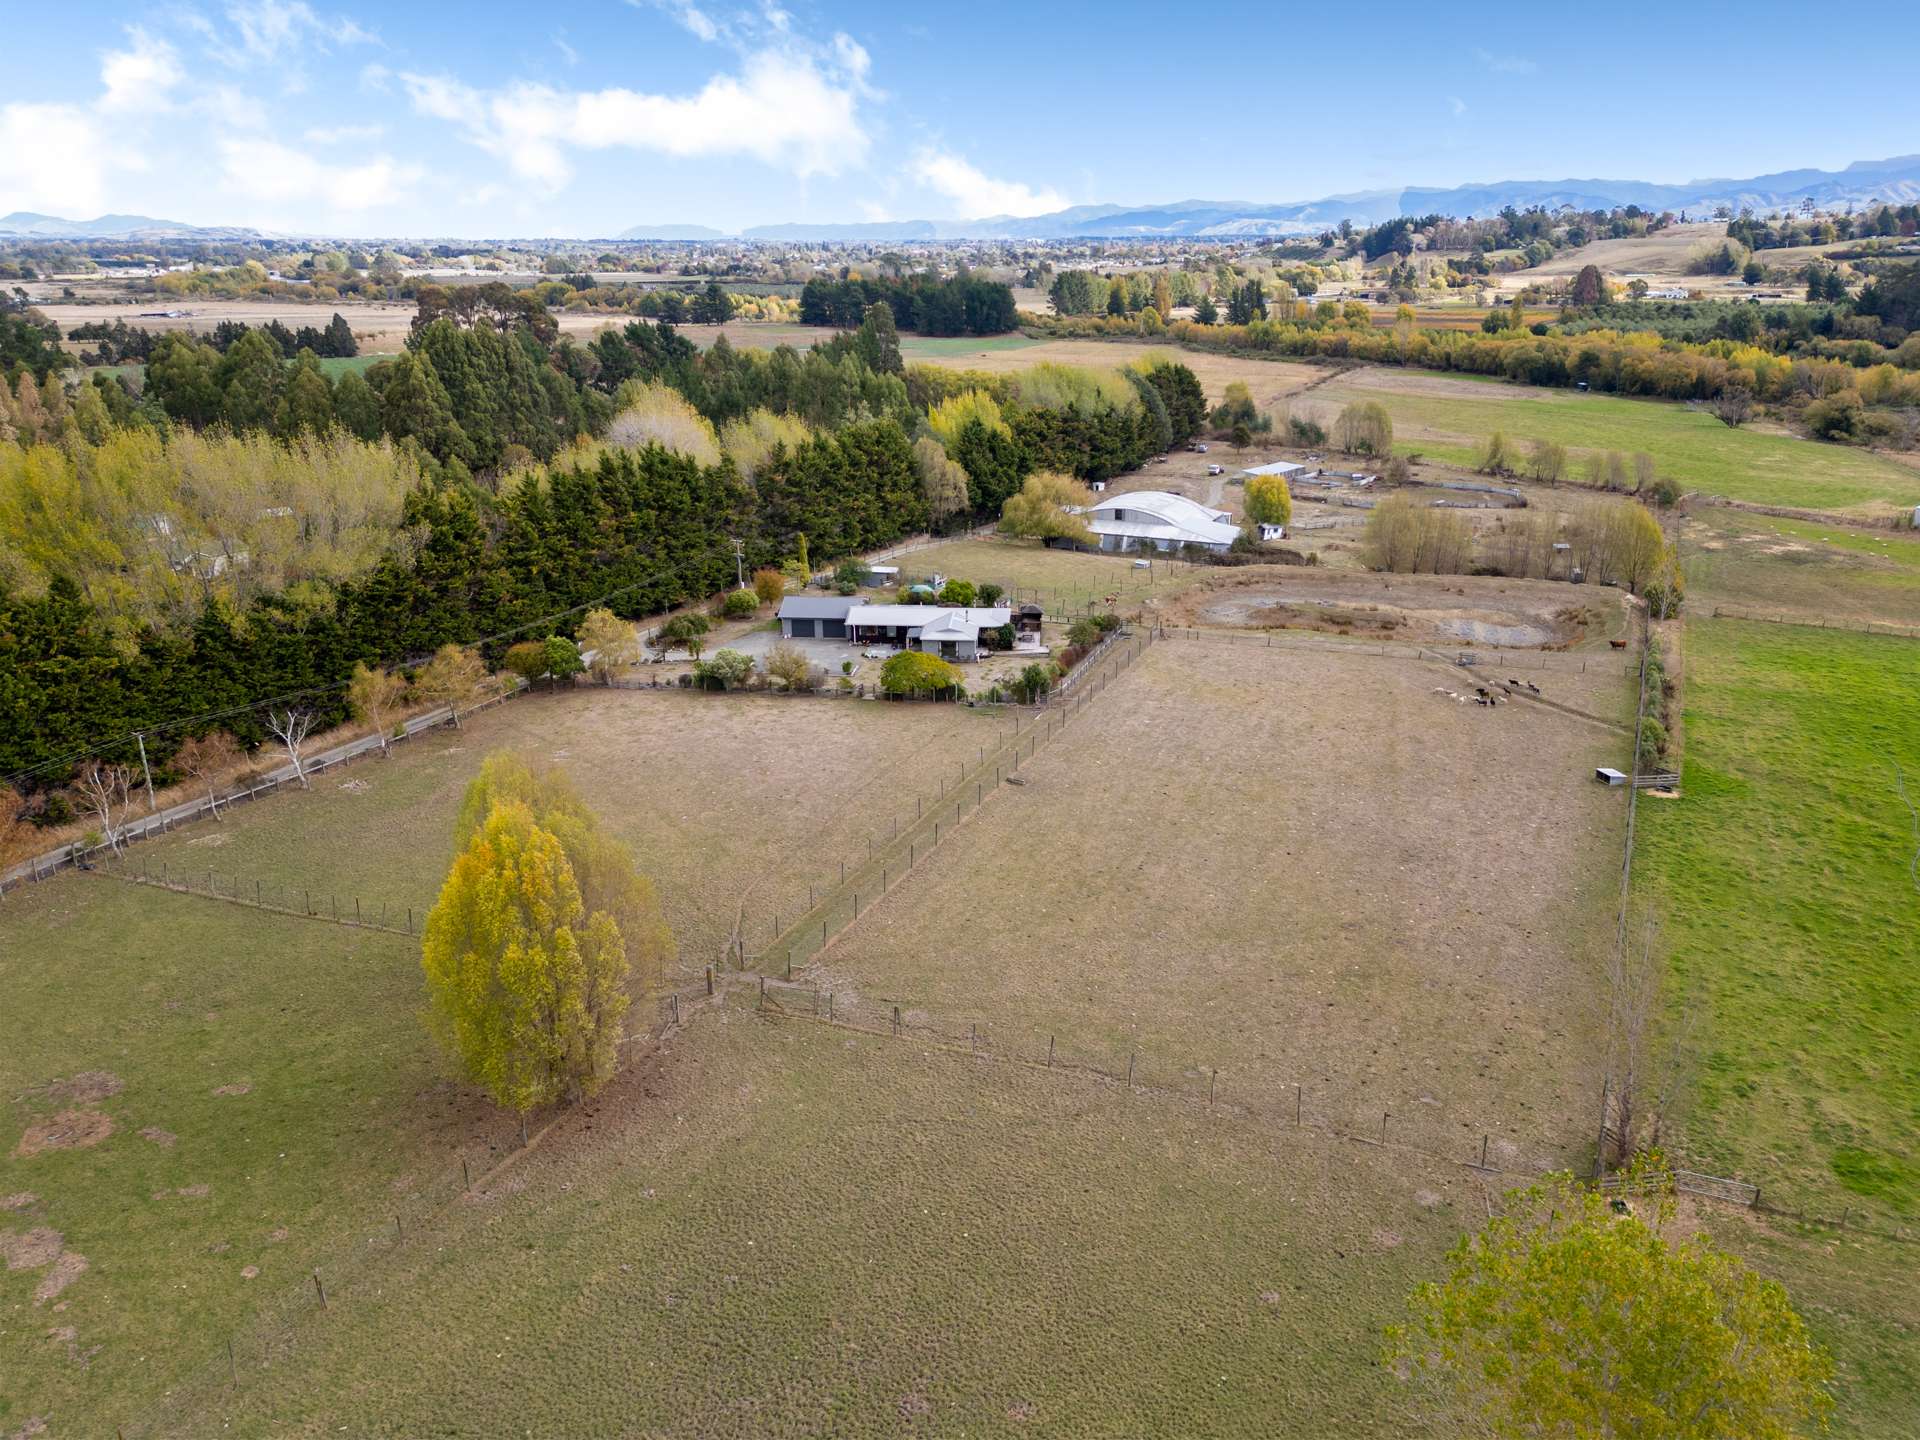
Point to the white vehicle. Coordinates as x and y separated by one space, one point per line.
1216 469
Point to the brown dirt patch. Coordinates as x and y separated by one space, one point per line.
68 1130
19 1201
240 1087
64 1271
1444 610
165 1139
39 1246
89 1087
249 1272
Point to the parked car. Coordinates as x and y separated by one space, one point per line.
1216 469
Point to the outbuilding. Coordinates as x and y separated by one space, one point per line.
807 617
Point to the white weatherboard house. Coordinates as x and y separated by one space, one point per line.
1156 520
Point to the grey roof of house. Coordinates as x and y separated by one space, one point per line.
822 607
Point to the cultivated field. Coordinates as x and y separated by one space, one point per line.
1297 867
1450 417
780 1229
1818 573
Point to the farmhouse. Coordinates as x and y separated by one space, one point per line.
1157 520
949 631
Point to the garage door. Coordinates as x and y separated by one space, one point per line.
834 629
802 629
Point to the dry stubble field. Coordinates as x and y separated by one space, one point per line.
732 804
1300 868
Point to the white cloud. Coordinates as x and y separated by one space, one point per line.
976 194
689 16
567 52
344 134
1506 64
268 170
1457 105
266 31
53 159
139 77
783 109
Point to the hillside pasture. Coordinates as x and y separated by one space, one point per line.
1814 572
1450 418
1289 866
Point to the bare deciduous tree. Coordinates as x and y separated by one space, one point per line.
1643 1061
291 728
1733 406
106 789
204 759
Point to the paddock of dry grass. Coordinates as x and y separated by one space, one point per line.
1290 867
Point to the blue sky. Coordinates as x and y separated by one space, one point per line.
491 119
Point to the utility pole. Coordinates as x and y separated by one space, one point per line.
739 562
141 740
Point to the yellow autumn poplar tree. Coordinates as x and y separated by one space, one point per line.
542 935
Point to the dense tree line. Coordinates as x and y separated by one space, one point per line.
963 305
121 343
646 529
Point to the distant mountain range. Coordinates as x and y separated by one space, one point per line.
24 224
1867 182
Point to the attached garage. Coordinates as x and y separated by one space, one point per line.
807 617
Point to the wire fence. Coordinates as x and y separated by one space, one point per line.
837 895
276 897
1322 1104
1819 622
162 821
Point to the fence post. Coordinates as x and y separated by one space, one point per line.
1483 1150
1296 1107
317 1285
676 1007
896 1020
466 1175
1049 1050
829 1007
1383 1127
709 981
